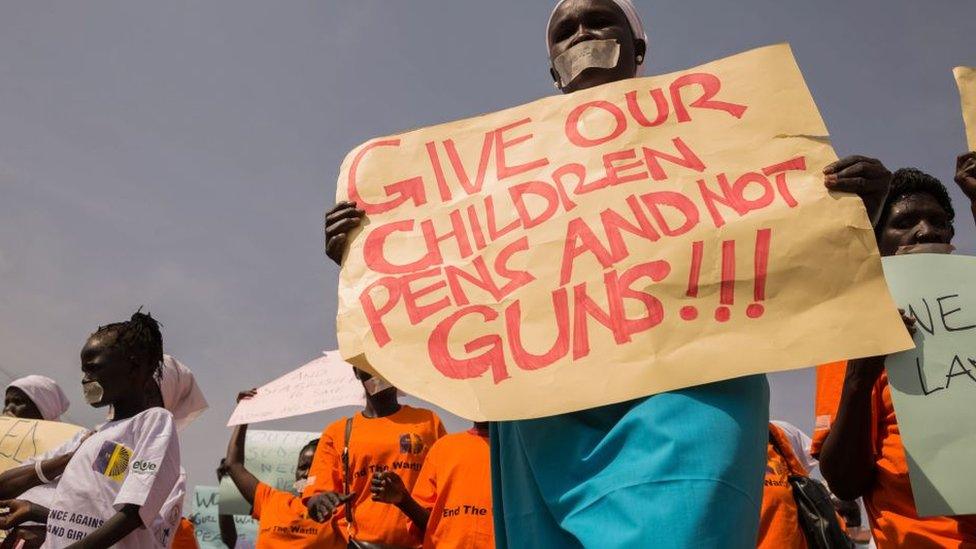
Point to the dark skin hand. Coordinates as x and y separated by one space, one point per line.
966 177
388 487
322 506
246 482
863 176
339 222
19 511
16 403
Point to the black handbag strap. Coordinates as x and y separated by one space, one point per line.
346 481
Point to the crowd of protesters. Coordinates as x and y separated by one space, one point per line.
696 467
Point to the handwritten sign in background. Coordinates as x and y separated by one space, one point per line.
204 516
933 387
585 249
272 456
22 439
323 384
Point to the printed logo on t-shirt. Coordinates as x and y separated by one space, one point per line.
144 467
411 443
112 461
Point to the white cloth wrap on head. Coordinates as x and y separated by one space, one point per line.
46 394
626 6
181 394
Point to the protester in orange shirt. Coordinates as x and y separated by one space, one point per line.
185 536
282 518
857 437
451 502
385 436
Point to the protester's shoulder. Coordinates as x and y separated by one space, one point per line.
158 418
420 415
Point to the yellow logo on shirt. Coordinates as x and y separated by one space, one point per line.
112 461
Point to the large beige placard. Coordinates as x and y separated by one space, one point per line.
966 80
586 249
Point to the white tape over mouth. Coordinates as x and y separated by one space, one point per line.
93 392
598 54
376 384
926 248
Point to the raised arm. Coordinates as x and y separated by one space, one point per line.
246 482
121 524
966 178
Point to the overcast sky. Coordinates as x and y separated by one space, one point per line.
180 154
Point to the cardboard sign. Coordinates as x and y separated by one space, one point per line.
272 456
22 439
323 384
966 80
933 387
204 516
642 236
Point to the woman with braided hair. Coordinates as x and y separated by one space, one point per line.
114 485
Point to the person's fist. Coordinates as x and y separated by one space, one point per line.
14 512
321 506
339 222
966 174
388 487
863 176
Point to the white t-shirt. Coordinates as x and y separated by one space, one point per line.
132 461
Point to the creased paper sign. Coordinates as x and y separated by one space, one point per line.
642 236
22 439
323 384
206 525
933 387
966 80
272 456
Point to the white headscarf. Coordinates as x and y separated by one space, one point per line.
626 6
46 394
181 394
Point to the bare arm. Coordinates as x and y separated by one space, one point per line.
228 530
246 482
120 525
388 487
847 456
18 480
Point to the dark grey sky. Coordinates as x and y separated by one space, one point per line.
179 154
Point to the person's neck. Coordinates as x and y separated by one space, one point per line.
381 404
125 408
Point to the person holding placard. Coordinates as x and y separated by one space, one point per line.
116 483
966 178
35 397
620 475
451 501
385 436
283 519
857 438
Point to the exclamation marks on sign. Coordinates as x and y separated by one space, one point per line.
689 312
755 310
727 282
727 289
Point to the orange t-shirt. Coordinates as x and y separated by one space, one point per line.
889 503
455 485
398 442
779 525
185 536
283 522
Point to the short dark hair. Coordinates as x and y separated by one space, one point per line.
908 181
139 338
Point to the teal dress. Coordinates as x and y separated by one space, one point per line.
679 469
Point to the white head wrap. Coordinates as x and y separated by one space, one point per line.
46 394
626 6
181 394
